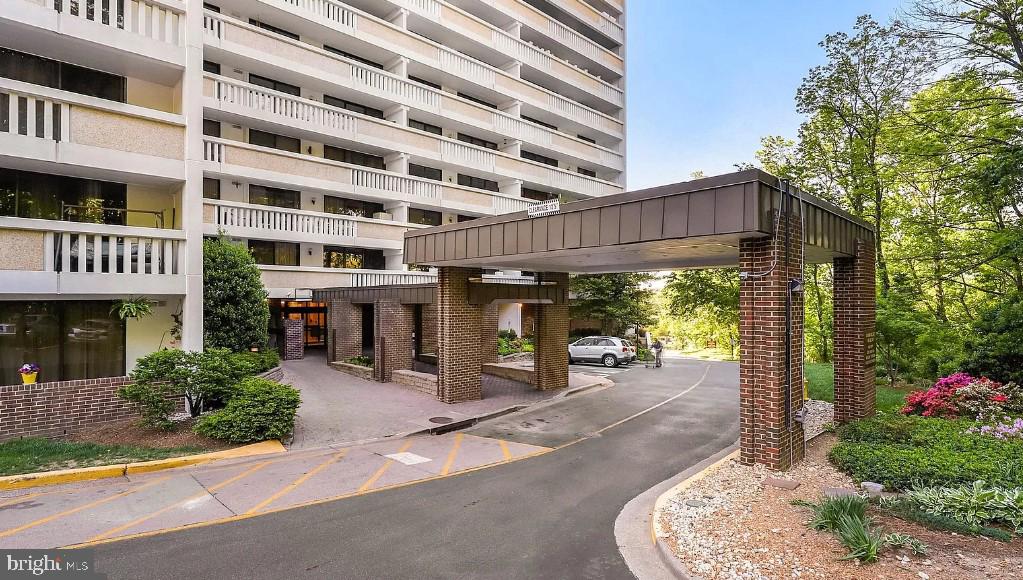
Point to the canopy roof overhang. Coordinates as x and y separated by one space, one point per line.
694 224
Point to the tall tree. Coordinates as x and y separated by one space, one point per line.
618 301
235 312
710 297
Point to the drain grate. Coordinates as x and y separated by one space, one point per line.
441 420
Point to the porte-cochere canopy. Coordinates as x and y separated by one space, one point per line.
695 224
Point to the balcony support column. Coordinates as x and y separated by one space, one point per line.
397 162
397 114
191 195
511 187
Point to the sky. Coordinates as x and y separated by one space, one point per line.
706 79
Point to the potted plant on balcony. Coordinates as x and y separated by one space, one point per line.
29 373
135 307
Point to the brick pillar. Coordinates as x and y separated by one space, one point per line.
764 433
429 330
345 340
552 320
458 337
855 314
392 345
294 339
488 334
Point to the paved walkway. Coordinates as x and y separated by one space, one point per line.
339 408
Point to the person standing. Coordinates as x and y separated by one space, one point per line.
657 347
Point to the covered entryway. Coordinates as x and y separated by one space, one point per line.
748 219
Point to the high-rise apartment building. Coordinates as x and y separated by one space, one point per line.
314 132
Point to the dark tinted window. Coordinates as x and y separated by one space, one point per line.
477 141
210 188
354 207
424 217
281 142
537 195
353 157
54 197
354 57
211 7
275 85
425 172
58 75
540 158
353 258
211 128
425 127
274 29
211 67
270 253
587 139
477 182
353 107
467 218
424 82
539 122
587 172
477 100
285 198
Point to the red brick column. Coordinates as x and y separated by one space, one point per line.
551 356
764 433
344 330
488 334
294 339
392 346
458 337
855 313
429 330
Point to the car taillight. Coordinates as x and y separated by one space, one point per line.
625 349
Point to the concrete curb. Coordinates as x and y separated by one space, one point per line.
26 480
637 527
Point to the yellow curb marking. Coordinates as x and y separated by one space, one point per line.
383 468
294 485
198 496
69 512
452 454
504 449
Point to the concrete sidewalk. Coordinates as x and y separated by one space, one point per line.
137 504
339 408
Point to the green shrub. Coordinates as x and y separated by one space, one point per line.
260 410
256 362
974 505
996 349
361 360
153 399
846 517
863 543
235 312
508 334
827 512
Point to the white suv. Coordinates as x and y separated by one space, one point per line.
610 351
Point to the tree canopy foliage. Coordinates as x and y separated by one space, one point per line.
618 301
235 311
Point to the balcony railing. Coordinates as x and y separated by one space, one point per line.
275 220
385 278
149 19
591 16
278 278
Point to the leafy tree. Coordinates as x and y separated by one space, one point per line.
711 299
996 347
235 311
618 301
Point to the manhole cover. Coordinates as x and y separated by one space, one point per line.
441 420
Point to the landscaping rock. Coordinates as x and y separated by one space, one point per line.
839 492
781 483
817 415
872 489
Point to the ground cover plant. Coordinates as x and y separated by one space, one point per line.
34 454
846 517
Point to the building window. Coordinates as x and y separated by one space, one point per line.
211 7
587 139
587 172
274 29
211 128
269 253
46 72
353 157
353 107
537 195
28 194
275 197
423 217
354 57
467 218
425 172
477 141
477 182
352 207
353 258
540 158
425 127
68 339
211 67
477 100
539 122
264 139
275 85
423 81
210 188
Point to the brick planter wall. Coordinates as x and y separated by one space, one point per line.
61 408
422 382
365 373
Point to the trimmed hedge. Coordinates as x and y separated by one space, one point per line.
905 452
260 410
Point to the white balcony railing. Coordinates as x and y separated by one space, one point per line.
504 204
92 253
383 181
40 117
149 19
280 220
385 278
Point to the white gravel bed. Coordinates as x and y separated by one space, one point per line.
816 416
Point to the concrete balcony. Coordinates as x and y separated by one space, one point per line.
238 38
593 18
246 220
46 257
140 35
42 128
230 159
282 281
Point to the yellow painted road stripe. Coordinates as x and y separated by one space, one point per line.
196 497
452 454
293 485
383 468
69 512
504 449
19 499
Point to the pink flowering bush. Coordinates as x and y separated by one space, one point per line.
961 395
1007 428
